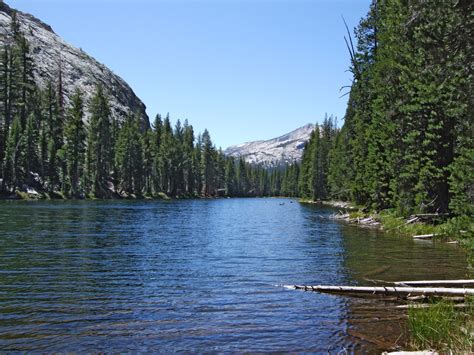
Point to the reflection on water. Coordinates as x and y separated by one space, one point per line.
187 275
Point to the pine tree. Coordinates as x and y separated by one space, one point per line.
188 155
43 126
157 129
75 138
165 155
99 145
339 167
148 159
14 156
220 173
231 178
31 148
208 166
243 185
54 139
4 114
178 160
306 186
129 157
26 80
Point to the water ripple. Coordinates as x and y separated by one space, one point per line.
195 275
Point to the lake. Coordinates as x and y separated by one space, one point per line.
202 275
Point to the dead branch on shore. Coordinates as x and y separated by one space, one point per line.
424 236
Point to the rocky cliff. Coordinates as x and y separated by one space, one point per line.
50 53
274 152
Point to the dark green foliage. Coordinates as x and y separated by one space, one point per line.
189 168
208 165
99 154
407 139
242 180
31 147
129 157
16 93
314 175
462 183
289 181
406 142
75 144
46 144
148 160
14 156
54 139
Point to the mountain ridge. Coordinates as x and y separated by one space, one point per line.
53 55
284 149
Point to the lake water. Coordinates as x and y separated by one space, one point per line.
199 275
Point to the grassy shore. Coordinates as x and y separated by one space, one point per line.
442 327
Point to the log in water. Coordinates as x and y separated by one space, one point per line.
448 283
388 290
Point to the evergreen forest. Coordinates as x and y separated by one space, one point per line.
47 148
406 142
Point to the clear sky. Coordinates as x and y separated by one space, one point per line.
244 69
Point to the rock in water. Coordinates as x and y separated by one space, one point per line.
50 53
274 152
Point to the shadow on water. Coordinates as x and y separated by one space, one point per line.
196 275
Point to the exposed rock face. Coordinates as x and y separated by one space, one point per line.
274 152
79 70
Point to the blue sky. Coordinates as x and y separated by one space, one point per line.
244 69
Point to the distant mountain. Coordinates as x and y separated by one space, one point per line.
52 55
276 151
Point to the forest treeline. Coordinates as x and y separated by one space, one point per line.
407 138
406 142
46 146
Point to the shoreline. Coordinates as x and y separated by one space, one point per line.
58 196
446 230
389 221
331 203
442 229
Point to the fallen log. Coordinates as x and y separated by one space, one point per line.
424 236
387 290
427 305
412 220
431 215
435 283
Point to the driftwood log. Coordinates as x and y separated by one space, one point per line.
430 216
427 305
424 236
435 283
388 290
